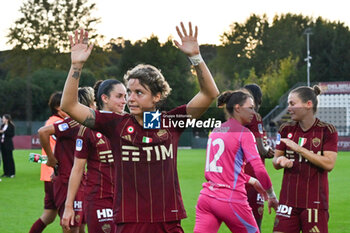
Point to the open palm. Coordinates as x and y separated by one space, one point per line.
80 49
189 44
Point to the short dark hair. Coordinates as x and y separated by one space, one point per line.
307 93
55 101
151 78
256 92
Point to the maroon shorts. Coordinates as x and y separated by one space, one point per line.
60 194
293 220
158 227
99 215
49 201
256 202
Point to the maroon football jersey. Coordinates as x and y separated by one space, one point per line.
256 127
96 149
306 185
147 186
66 132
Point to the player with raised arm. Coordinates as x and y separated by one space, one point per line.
307 151
223 197
147 191
63 156
95 149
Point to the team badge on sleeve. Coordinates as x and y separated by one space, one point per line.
63 127
79 144
278 139
103 111
260 128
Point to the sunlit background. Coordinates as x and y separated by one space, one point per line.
138 19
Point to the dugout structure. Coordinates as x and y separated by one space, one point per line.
334 105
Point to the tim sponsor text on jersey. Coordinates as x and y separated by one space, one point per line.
156 152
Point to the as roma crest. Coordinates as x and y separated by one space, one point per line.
106 228
163 134
316 142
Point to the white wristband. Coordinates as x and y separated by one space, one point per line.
196 59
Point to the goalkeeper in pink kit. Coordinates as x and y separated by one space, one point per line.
223 197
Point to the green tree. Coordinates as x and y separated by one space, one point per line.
44 23
173 64
281 39
255 51
239 46
328 47
40 36
274 83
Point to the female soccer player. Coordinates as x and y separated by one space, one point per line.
224 198
255 200
66 132
50 209
95 149
147 191
307 152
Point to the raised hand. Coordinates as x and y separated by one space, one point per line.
80 49
189 44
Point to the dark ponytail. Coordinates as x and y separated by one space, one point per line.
103 87
308 93
223 98
231 98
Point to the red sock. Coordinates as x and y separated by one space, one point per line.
37 227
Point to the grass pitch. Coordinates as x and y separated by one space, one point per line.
21 198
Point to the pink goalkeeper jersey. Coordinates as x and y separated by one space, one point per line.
228 148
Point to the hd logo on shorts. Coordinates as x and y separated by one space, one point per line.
104 213
151 120
284 211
